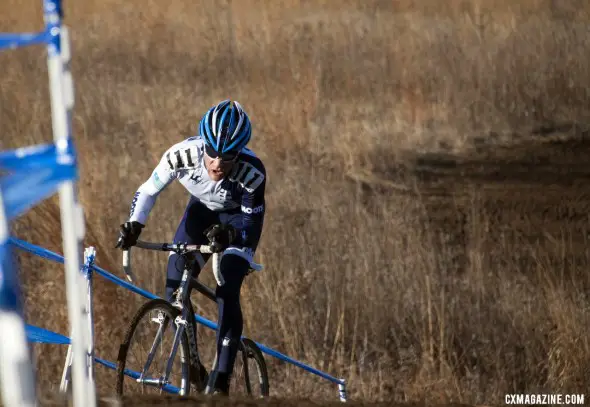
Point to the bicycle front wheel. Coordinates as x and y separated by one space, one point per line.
250 375
147 351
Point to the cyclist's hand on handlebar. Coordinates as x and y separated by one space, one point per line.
129 233
221 236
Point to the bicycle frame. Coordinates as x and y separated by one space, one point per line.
180 302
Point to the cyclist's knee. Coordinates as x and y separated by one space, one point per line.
234 266
233 269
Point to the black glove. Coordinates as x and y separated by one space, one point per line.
129 233
221 236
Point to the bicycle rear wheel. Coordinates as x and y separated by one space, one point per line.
250 375
151 336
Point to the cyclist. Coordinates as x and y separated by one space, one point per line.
226 182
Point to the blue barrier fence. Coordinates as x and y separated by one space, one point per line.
41 335
32 174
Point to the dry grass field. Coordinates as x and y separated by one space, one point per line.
428 187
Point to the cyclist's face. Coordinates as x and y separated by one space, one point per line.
216 168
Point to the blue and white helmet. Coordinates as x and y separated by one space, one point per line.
225 128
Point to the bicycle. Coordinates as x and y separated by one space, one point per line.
184 338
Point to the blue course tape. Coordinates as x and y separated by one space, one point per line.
22 191
9 40
123 283
41 335
10 292
26 158
39 251
35 172
303 366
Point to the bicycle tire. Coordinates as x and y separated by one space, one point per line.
199 373
182 353
249 351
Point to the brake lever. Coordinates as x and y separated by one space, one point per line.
119 242
127 265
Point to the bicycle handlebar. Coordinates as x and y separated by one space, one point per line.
180 248
175 247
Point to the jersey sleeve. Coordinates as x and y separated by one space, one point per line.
145 197
252 178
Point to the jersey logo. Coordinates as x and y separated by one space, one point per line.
246 175
157 182
134 204
195 177
250 211
181 159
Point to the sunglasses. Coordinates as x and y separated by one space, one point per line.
225 157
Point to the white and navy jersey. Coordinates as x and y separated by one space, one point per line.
241 191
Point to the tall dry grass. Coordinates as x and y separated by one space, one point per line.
404 250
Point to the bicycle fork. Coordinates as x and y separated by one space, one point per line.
163 322
180 325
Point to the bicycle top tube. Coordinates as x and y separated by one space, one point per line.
179 248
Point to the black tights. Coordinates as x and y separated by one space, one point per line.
230 321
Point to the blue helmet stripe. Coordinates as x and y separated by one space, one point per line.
231 127
220 109
241 140
203 131
216 122
219 130
208 132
